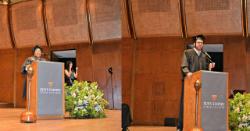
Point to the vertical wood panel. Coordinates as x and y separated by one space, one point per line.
107 55
124 22
5 41
157 86
67 21
157 18
84 62
213 17
7 76
28 23
106 19
235 59
127 59
248 64
247 15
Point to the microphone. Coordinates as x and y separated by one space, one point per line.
110 70
208 56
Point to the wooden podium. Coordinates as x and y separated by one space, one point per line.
212 113
47 90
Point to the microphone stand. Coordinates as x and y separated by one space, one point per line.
112 90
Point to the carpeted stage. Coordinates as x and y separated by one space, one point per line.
10 121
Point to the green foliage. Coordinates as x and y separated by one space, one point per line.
85 100
239 115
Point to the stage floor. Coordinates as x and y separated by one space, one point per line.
10 121
151 128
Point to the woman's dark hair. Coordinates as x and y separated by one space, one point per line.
36 47
67 64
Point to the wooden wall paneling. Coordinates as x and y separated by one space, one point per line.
217 17
107 55
125 20
7 76
127 59
142 103
247 16
5 41
235 62
84 63
106 19
67 21
157 18
27 21
157 86
117 85
248 64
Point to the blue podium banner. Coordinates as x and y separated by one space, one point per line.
50 92
214 101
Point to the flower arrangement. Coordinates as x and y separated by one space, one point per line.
84 100
239 115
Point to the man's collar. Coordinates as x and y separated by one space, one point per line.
197 51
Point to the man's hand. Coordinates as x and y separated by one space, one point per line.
211 66
189 74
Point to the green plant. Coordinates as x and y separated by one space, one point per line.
239 115
84 100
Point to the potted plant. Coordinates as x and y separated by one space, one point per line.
239 115
85 100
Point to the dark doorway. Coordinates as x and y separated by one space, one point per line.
64 56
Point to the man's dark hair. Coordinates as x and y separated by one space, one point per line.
201 37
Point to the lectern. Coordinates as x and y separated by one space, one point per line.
47 90
212 103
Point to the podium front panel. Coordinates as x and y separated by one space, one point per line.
214 101
50 101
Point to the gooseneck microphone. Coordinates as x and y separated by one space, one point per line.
208 56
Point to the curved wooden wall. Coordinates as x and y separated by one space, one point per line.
28 23
66 21
213 17
156 18
105 16
247 15
5 40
